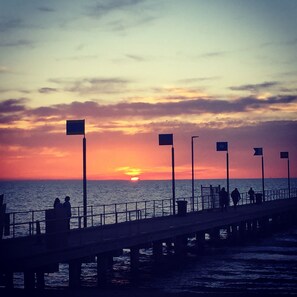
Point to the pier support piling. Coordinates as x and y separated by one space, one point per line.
134 259
214 235
104 263
242 231
180 245
40 280
157 250
8 280
263 225
29 279
200 240
234 234
74 273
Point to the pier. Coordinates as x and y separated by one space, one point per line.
148 224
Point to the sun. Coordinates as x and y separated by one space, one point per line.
134 178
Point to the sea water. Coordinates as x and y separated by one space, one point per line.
32 195
267 264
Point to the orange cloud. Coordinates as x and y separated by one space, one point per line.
122 138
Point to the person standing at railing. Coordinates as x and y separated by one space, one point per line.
57 203
251 193
59 213
67 207
59 216
224 199
235 195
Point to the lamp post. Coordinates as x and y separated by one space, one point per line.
285 155
192 150
223 147
77 127
167 139
258 151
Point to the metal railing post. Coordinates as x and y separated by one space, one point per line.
32 220
13 224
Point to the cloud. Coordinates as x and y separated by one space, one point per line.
131 171
37 127
102 8
288 90
46 9
120 15
136 58
255 87
120 25
47 90
13 105
93 85
12 110
224 111
289 42
217 54
198 79
7 24
78 58
17 43
4 69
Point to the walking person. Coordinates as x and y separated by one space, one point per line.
251 193
235 195
67 207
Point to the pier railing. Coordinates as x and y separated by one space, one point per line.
34 222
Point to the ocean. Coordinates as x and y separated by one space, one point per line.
264 264
40 194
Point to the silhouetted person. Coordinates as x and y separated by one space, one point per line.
251 193
67 207
235 195
59 215
224 199
57 203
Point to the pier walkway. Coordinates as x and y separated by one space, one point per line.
42 252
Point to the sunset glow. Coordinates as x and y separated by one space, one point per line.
223 70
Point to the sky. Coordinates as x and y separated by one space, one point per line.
223 70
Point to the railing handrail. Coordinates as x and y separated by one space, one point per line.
119 212
133 202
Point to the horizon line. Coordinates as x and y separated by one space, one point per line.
129 180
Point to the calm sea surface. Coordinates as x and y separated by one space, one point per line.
265 264
26 195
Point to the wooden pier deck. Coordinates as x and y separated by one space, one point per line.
42 253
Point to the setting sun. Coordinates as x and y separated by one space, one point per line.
134 178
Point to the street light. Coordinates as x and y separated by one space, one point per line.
285 155
223 147
258 151
77 127
167 139
192 150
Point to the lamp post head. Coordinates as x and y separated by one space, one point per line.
195 136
